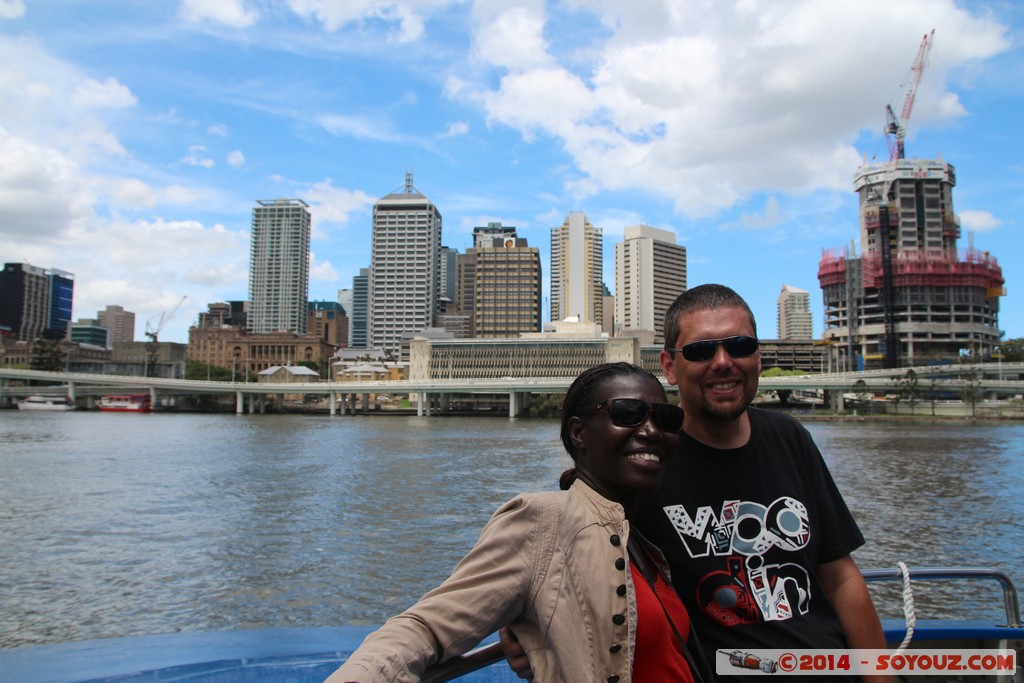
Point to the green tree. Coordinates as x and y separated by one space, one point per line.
1012 350
47 354
195 369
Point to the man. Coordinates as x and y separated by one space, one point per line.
757 536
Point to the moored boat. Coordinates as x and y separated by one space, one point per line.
126 403
46 403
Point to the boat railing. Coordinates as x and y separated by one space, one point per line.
489 654
1010 603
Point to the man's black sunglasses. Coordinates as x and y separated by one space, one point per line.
737 347
631 412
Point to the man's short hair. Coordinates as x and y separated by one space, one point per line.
702 298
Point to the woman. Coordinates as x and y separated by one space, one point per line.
555 567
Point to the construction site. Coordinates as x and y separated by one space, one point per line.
912 297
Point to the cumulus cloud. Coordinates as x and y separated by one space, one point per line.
94 94
234 13
710 103
329 204
12 9
979 221
236 159
197 157
405 17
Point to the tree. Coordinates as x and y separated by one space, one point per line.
1012 350
47 354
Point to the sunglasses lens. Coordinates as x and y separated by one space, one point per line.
668 418
740 347
627 412
699 351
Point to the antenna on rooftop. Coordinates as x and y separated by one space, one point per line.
409 189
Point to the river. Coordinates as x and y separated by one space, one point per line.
117 525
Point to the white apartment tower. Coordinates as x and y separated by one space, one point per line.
794 307
650 272
279 266
405 266
577 270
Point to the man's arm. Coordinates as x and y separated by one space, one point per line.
845 588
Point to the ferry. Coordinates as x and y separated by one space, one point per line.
46 403
126 403
309 655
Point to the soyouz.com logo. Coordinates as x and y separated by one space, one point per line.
917 662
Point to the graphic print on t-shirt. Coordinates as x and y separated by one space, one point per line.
747 589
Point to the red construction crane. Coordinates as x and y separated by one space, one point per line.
896 128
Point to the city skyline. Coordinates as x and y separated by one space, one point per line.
133 151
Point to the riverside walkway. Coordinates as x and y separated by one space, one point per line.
989 380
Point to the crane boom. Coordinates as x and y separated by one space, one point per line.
897 127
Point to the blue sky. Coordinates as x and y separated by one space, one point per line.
135 137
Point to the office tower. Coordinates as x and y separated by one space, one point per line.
577 270
910 298
448 264
484 235
328 322
500 284
345 299
35 302
279 266
650 272
794 308
120 322
360 308
405 266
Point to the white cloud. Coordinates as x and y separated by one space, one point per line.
12 9
218 129
979 221
769 218
93 94
361 128
710 103
235 13
236 159
457 129
329 204
197 157
406 17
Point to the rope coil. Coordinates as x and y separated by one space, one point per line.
908 607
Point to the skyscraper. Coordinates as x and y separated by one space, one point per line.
405 268
279 266
911 298
577 270
650 272
360 305
794 313
35 302
500 283
120 322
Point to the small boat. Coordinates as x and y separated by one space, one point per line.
46 403
287 655
126 403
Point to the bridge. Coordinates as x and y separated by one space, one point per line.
996 381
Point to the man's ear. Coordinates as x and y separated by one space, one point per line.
668 365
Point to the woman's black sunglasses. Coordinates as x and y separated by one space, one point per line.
737 347
631 412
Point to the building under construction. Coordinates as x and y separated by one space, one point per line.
911 298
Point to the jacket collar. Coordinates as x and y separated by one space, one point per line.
605 509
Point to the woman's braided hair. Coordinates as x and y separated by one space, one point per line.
580 400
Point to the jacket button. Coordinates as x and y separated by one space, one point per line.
615 540
621 590
614 649
619 619
620 563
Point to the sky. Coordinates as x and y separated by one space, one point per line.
136 137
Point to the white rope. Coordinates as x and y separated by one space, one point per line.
908 607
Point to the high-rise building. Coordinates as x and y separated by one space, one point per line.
328 322
794 313
650 272
448 264
577 270
360 307
405 268
120 322
279 266
500 284
35 302
911 298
